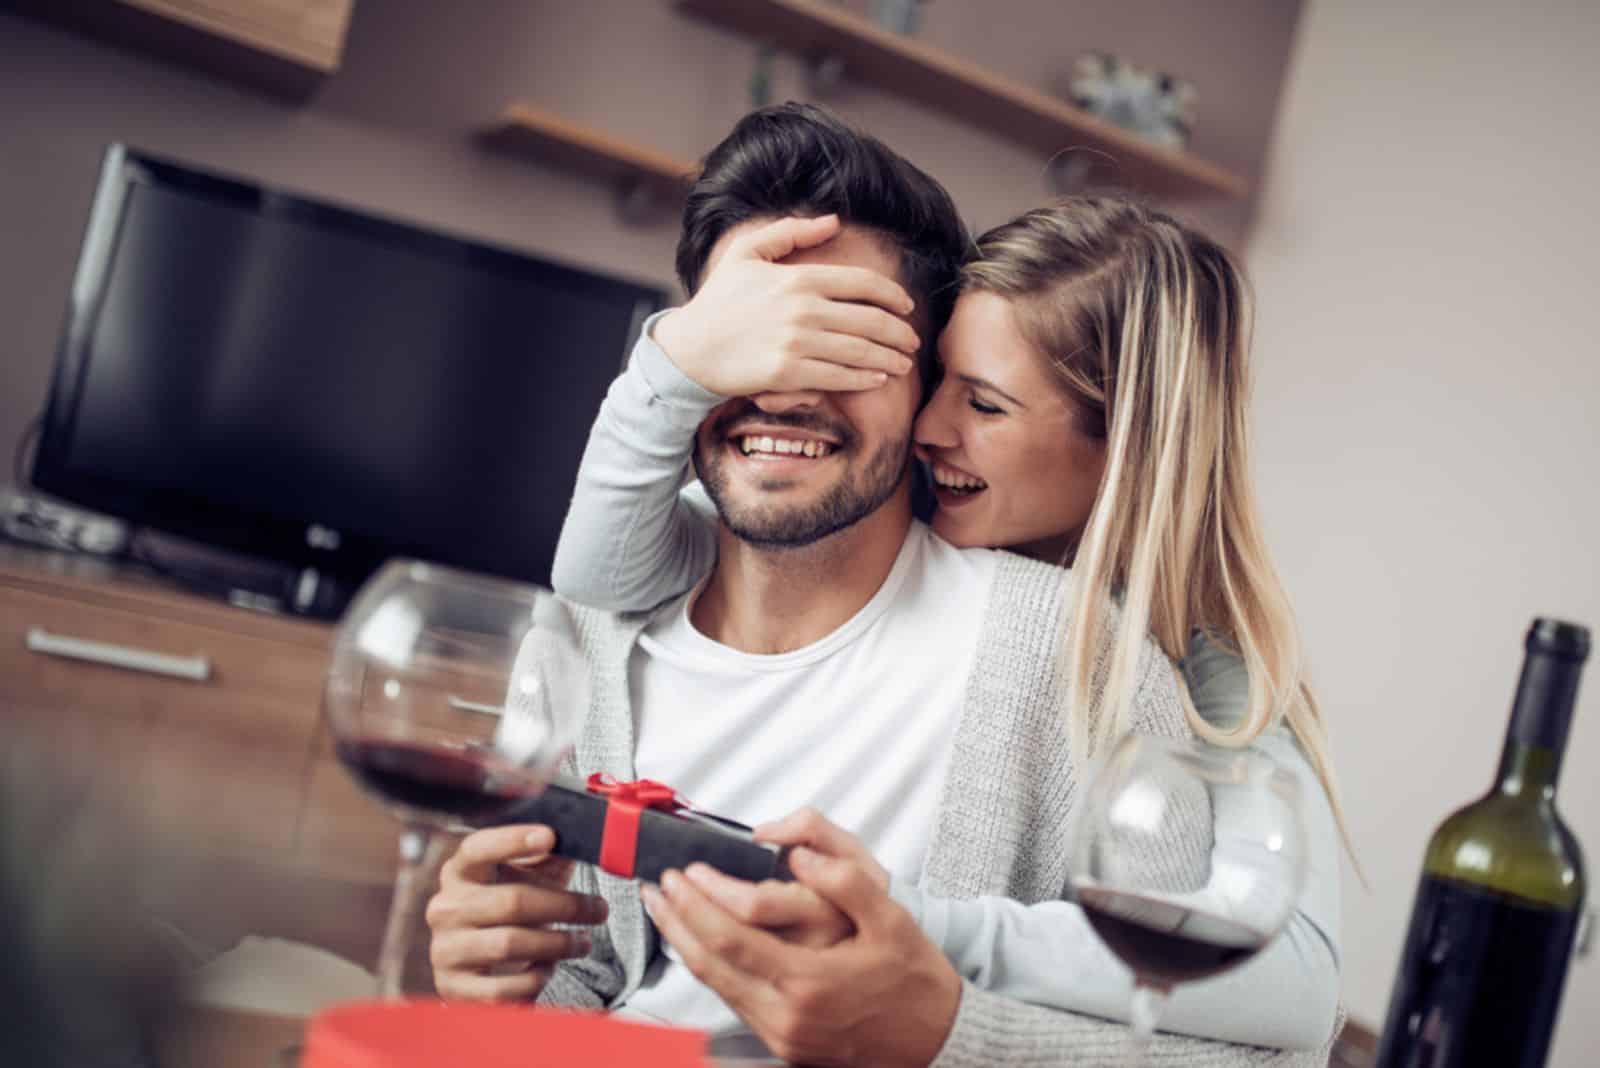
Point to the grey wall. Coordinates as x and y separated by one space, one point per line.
1429 413
391 131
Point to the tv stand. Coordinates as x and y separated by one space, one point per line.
241 580
224 755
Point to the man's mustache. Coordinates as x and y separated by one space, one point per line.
811 422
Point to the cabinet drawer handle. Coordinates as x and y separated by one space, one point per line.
193 668
473 706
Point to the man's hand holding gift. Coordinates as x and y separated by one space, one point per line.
825 970
491 919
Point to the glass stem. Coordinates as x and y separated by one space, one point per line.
1143 1011
420 854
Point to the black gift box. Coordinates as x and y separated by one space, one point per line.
666 839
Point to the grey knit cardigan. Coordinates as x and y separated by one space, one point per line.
1000 828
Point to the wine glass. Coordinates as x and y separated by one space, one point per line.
451 697
1187 859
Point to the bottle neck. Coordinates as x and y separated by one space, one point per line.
1528 771
1540 719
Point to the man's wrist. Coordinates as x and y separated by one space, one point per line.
917 1040
942 1009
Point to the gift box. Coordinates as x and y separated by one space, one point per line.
436 1034
637 830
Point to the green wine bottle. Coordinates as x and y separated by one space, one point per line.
1502 892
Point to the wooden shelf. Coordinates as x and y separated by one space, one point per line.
286 46
309 33
645 177
963 90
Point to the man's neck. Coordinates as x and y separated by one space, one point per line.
768 601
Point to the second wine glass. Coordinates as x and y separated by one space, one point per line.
1187 860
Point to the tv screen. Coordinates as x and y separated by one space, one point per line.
267 373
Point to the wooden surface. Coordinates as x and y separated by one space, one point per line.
255 717
564 143
950 85
93 581
235 775
1356 1047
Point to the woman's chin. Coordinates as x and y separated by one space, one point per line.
960 534
963 534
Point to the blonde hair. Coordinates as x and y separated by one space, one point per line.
1146 324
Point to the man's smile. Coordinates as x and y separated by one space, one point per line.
763 445
792 446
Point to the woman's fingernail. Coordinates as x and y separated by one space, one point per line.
540 838
652 896
581 943
671 881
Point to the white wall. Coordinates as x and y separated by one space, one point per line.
1428 406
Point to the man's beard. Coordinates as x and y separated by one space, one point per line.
776 526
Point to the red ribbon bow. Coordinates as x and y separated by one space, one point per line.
619 840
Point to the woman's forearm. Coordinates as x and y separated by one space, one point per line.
1047 954
630 539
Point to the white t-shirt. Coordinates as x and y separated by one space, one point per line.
857 725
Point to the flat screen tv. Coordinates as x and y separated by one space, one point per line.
265 373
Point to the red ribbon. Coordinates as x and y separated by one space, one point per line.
619 841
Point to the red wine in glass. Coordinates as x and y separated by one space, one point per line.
464 786
1165 944
1187 861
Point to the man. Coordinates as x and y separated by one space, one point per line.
836 655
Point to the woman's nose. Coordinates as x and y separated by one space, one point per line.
933 427
778 403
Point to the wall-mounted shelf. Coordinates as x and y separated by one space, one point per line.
285 46
646 180
964 90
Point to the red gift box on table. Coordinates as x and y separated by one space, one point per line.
440 1034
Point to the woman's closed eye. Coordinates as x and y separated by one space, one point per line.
978 404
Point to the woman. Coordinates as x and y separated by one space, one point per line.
1091 412
1085 310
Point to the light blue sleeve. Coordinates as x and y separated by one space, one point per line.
1047 954
1218 683
632 538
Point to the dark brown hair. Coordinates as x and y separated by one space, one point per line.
797 159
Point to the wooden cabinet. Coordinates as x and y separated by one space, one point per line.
214 737
286 46
249 724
